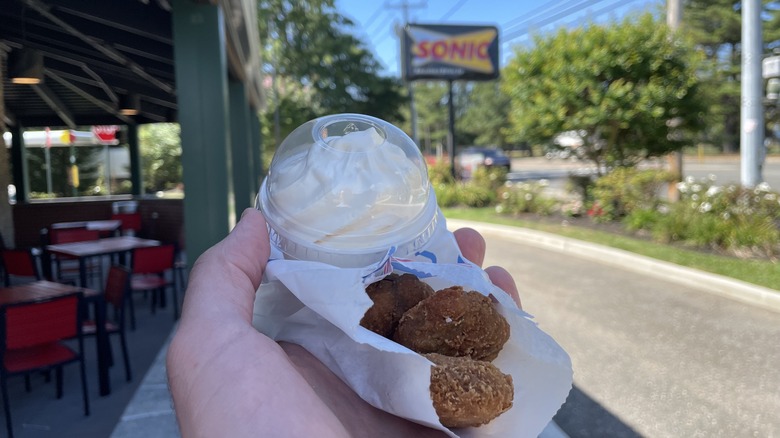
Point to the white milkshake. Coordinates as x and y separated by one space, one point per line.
344 189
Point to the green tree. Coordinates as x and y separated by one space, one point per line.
160 145
319 67
630 87
716 27
485 116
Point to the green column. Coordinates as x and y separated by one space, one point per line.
257 150
19 163
240 139
136 174
201 87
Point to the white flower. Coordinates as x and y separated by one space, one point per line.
690 179
770 196
682 187
508 184
505 195
705 207
763 187
714 190
499 208
529 196
696 188
726 215
695 197
712 177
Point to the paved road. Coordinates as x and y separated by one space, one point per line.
725 168
651 358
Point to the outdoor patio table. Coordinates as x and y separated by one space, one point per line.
43 290
95 248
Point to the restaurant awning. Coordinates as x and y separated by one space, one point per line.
196 62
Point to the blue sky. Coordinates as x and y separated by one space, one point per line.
517 20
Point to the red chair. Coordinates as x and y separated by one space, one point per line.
115 293
31 341
67 268
152 271
20 263
131 223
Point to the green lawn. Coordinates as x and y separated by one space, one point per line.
762 273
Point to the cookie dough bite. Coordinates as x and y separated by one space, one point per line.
454 322
467 392
392 296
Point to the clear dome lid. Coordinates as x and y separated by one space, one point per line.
343 189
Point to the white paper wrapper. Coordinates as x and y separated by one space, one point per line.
319 307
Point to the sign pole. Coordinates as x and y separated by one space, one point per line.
451 145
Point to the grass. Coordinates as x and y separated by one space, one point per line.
758 272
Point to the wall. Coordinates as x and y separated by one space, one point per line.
162 219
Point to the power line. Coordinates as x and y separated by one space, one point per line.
528 16
453 10
551 19
373 17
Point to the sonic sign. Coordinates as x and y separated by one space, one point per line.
450 52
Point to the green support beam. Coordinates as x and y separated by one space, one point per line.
202 90
240 138
136 173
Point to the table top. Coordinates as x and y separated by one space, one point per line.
99 225
109 245
39 291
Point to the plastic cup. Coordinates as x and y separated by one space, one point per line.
345 188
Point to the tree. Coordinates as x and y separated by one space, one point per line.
716 27
631 88
160 145
317 66
485 117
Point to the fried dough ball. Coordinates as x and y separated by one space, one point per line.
392 296
454 322
467 392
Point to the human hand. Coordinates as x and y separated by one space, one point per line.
228 379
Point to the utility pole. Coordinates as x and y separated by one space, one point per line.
404 5
751 138
673 19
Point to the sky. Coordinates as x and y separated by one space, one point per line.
516 20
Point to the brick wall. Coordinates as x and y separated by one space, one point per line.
161 219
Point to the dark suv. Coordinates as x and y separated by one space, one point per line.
473 157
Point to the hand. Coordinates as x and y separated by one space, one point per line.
228 379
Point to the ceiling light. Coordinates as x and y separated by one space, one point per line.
129 104
25 66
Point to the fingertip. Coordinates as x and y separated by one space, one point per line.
504 281
472 245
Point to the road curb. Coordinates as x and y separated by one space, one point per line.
717 284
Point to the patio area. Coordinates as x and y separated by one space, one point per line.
137 408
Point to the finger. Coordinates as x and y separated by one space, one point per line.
501 278
472 245
231 270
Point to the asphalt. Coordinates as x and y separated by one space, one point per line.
144 407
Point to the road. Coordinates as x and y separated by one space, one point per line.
725 168
651 358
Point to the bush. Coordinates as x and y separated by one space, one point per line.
527 197
626 189
741 220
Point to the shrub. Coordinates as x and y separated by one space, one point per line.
626 189
741 220
526 197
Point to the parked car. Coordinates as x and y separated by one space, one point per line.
474 157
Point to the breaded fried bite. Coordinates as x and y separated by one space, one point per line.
468 393
392 296
454 322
